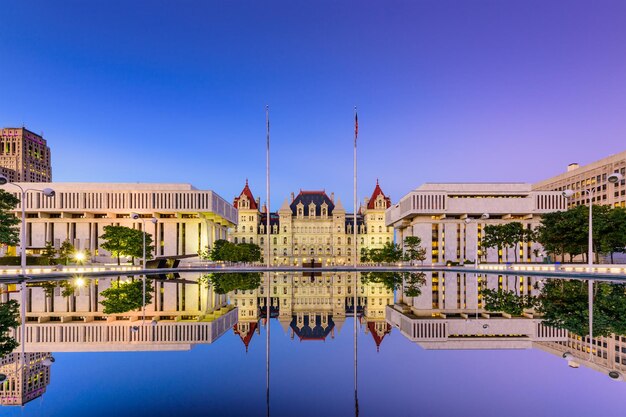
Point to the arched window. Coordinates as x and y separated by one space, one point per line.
275 241
284 241
380 229
243 240
349 241
243 229
236 240
372 241
251 240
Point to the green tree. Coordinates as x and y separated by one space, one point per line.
124 241
409 282
494 238
225 283
564 304
66 251
248 252
49 252
508 301
566 233
226 251
365 255
613 237
412 249
9 314
205 254
9 230
122 297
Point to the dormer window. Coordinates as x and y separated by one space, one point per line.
311 210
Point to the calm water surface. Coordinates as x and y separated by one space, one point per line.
437 353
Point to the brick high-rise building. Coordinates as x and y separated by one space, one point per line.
24 156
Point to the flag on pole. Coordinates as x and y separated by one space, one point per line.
356 126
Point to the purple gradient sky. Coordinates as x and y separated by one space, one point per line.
447 90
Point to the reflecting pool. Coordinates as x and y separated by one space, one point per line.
316 344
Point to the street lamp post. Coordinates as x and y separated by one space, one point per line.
48 192
469 220
612 179
154 220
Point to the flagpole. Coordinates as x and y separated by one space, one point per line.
267 261
356 275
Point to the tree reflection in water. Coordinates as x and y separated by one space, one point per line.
409 282
564 304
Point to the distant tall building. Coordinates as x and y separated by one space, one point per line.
313 227
24 156
594 175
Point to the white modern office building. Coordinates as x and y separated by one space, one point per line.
187 219
450 218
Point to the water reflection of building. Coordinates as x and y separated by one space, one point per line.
437 213
24 383
313 306
609 353
182 313
313 227
449 314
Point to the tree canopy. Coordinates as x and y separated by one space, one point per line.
225 283
412 249
9 314
564 304
566 233
122 296
9 230
125 241
505 236
409 282
226 251
508 301
389 253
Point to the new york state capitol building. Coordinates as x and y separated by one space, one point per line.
312 227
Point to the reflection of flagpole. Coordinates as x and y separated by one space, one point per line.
267 260
356 275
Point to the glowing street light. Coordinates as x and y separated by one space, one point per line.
80 257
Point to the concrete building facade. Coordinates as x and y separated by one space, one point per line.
450 218
188 219
24 156
591 176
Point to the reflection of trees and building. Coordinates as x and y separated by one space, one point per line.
462 311
437 310
313 306
71 316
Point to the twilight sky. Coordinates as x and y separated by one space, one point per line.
156 91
